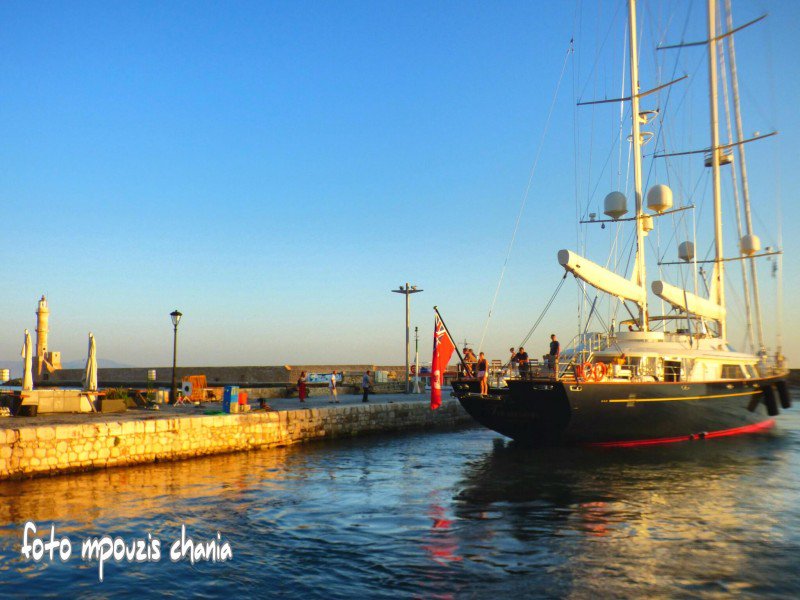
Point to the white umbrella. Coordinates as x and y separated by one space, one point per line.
27 358
90 374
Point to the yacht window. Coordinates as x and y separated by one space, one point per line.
672 370
732 372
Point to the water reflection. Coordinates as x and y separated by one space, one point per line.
437 515
696 517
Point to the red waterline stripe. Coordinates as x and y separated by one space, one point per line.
754 428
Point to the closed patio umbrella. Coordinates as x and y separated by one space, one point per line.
90 374
27 359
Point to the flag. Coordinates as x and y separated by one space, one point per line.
443 348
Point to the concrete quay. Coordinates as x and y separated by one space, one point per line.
63 443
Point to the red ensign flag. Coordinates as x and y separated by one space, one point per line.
443 348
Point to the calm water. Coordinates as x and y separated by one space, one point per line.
452 514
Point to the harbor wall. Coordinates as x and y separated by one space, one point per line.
216 376
36 450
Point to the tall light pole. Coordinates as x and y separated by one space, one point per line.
416 360
175 315
407 291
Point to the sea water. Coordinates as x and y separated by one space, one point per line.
458 513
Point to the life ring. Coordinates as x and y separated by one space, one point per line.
586 371
600 371
413 369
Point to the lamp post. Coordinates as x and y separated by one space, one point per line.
416 361
407 291
176 318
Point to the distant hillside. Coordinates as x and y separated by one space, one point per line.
15 366
102 363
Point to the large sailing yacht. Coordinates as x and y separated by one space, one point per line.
650 379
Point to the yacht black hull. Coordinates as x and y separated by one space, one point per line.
546 411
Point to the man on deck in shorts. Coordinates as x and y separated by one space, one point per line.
523 362
555 352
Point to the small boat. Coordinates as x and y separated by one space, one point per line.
653 379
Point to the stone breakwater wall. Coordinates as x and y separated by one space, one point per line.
51 449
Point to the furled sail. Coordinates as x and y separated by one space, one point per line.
601 278
688 302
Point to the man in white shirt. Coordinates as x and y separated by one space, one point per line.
333 397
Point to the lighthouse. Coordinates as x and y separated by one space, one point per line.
45 361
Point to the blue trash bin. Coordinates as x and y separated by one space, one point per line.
230 396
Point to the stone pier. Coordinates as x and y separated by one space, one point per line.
28 448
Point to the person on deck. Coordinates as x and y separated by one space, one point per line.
513 364
366 384
552 357
302 391
523 361
332 395
483 374
470 359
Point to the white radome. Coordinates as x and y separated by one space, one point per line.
750 244
659 198
686 251
615 205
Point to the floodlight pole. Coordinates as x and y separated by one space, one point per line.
175 315
416 361
407 290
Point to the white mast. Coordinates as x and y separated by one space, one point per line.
743 173
718 282
748 310
637 165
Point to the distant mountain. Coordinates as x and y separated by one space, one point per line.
103 363
15 366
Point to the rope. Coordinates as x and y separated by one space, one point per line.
599 318
570 50
544 312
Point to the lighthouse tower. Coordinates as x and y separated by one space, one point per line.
42 320
45 361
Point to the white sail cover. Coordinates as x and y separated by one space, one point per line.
601 278
687 301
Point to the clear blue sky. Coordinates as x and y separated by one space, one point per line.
274 169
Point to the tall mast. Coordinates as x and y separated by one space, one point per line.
748 310
718 284
743 173
637 163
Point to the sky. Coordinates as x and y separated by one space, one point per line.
274 169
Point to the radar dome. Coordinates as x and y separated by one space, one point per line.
750 244
686 251
616 205
659 198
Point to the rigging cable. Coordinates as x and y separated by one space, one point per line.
544 312
570 50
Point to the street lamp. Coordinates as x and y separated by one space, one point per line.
407 291
176 318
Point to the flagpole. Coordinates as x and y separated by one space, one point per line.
455 346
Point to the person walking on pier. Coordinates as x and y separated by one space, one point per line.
332 395
552 358
366 384
483 374
302 391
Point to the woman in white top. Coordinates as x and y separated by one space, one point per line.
332 389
